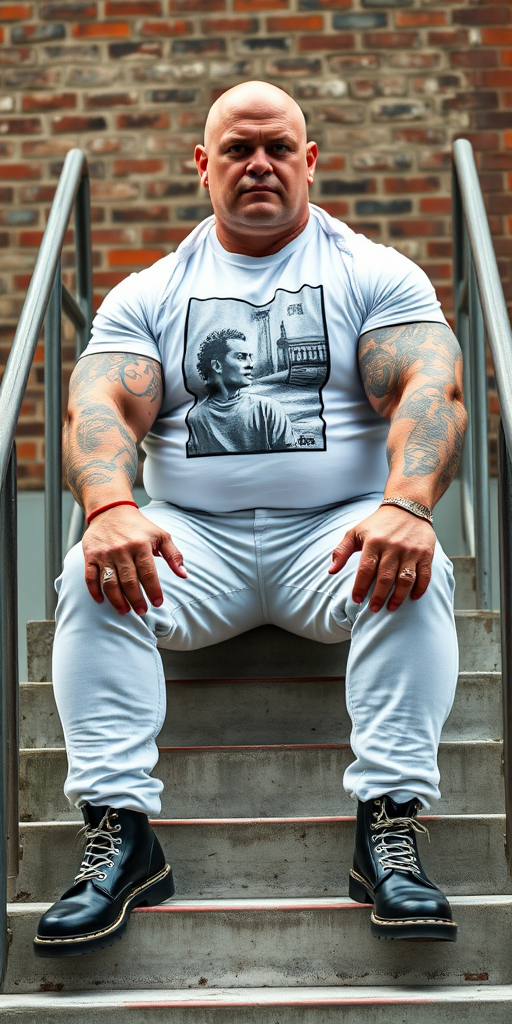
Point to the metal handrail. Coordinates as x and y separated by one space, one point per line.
45 300
481 313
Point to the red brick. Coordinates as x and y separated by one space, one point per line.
439 249
30 239
438 271
132 8
133 257
37 193
147 166
15 12
75 9
155 119
78 123
14 54
413 60
396 186
213 26
435 161
405 19
481 140
449 37
13 172
390 40
172 27
108 278
337 208
101 30
48 101
164 234
261 5
296 23
488 15
20 125
420 136
436 204
411 228
494 119
496 79
25 450
328 162
506 58
497 36
191 6
496 161
137 214
342 41
111 236
110 99
476 58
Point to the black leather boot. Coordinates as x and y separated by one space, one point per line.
388 873
123 867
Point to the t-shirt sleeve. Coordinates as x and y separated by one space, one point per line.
393 289
127 320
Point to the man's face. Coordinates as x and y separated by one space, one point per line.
235 368
258 164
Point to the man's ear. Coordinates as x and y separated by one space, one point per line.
216 365
201 159
311 158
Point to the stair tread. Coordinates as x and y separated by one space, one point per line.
264 903
307 996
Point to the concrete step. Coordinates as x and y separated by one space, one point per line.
465 581
291 943
269 653
267 711
273 857
393 1004
266 781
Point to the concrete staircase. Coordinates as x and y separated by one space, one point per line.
260 835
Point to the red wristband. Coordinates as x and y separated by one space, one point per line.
105 508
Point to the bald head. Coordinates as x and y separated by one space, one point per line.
257 100
257 166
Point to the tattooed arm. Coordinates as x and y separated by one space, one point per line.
114 400
412 374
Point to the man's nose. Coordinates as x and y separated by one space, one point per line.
259 162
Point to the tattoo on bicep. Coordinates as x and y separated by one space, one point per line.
140 376
99 428
388 354
434 443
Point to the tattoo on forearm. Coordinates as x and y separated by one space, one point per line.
389 359
99 446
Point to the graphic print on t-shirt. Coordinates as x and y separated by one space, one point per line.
256 373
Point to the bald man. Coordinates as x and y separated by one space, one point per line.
328 537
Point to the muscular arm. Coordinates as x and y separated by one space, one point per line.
412 374
114 400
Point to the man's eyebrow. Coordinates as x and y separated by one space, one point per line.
237 138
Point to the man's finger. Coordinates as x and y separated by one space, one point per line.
113 592
128 580
92 579
386 576
343 551
148 576
172 556
367 570
423 577
405 580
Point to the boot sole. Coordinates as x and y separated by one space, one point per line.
427 929
157 889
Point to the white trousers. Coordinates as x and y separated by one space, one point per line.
246 569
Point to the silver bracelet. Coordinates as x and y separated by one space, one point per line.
422 511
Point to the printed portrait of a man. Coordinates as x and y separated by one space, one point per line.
256 381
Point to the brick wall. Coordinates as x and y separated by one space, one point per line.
386 86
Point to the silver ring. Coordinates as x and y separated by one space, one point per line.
108 574
408 574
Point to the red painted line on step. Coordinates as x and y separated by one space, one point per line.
332 1001
265 746
262 679
320 819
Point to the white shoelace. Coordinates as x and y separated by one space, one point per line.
396 847
100 850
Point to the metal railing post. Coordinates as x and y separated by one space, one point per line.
505 533
53 443
460 255
9 675
83 261
479 444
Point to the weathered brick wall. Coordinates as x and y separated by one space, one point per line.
386 86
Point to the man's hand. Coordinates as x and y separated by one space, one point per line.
391 541
126 541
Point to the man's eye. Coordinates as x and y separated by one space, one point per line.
281 146
237 149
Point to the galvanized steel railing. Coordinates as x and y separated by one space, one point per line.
47 296
481 314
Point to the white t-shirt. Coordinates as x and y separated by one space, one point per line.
264 404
